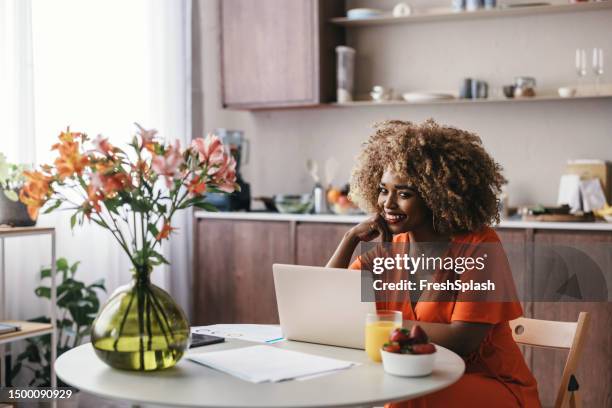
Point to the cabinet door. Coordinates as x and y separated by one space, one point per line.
316 242
516 248
594 372
269 53
233 281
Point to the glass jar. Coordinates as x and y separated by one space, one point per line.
524 86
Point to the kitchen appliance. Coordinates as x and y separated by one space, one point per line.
238 146
345 74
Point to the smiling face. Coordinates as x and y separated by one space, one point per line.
400 203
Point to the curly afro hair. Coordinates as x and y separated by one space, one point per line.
454 175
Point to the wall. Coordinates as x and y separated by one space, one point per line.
531 140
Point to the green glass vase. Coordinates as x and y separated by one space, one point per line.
140 327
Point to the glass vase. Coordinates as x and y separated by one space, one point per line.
140 327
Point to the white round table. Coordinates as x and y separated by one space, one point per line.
189 384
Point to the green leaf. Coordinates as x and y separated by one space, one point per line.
61 264
98 284
189 202
45 273
160 258
53 207
206 206
43 291
11 195
74 267
153 229
73 220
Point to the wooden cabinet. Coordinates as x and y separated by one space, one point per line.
316 242
233 280
278 53
583 253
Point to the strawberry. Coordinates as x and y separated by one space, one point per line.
423 348
400 336
418 335
391 347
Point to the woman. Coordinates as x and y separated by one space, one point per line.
434 184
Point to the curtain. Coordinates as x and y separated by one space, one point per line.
97 66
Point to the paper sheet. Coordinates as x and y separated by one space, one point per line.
260 364
260 333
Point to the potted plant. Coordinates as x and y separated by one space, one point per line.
134 196
77 305
12 211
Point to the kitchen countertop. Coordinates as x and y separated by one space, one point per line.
354 219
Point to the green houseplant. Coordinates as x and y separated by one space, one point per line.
77 305
133 194
12 212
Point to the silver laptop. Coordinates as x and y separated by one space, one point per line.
322 305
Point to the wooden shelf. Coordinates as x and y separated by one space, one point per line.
470 101
448 14
28 329
17 231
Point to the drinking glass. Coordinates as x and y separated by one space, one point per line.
598 67
378 327
581 67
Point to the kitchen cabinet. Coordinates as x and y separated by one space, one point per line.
316 242
278 53
233 282
595 367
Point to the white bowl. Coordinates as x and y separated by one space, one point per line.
408 365
566 92
358 13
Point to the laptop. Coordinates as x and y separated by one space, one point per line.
322 305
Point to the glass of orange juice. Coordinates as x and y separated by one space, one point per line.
378 327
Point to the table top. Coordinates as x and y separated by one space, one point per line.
190 384
27 329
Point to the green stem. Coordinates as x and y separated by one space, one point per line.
127 311
161 311
140 292
148 316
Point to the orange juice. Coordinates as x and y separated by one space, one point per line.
377 334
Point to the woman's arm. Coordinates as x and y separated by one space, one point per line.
461 337
365 231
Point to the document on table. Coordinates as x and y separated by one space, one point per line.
260 333
260 364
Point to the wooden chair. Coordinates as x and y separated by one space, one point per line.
556 335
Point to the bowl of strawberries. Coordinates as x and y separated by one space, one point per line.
408 353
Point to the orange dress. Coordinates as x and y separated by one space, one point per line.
496 374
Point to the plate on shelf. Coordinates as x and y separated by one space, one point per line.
426 96
359 13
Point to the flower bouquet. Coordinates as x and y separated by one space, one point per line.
12 212
134 195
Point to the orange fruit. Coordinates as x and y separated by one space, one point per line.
333 195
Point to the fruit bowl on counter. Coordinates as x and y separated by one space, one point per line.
339 203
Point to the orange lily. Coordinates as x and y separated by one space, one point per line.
165 231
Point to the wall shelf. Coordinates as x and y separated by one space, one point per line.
448 14
471 101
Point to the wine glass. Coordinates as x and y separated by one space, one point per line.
581 68
598 66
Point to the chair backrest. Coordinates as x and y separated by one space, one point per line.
557 335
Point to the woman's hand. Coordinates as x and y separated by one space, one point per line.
371 228
365 231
